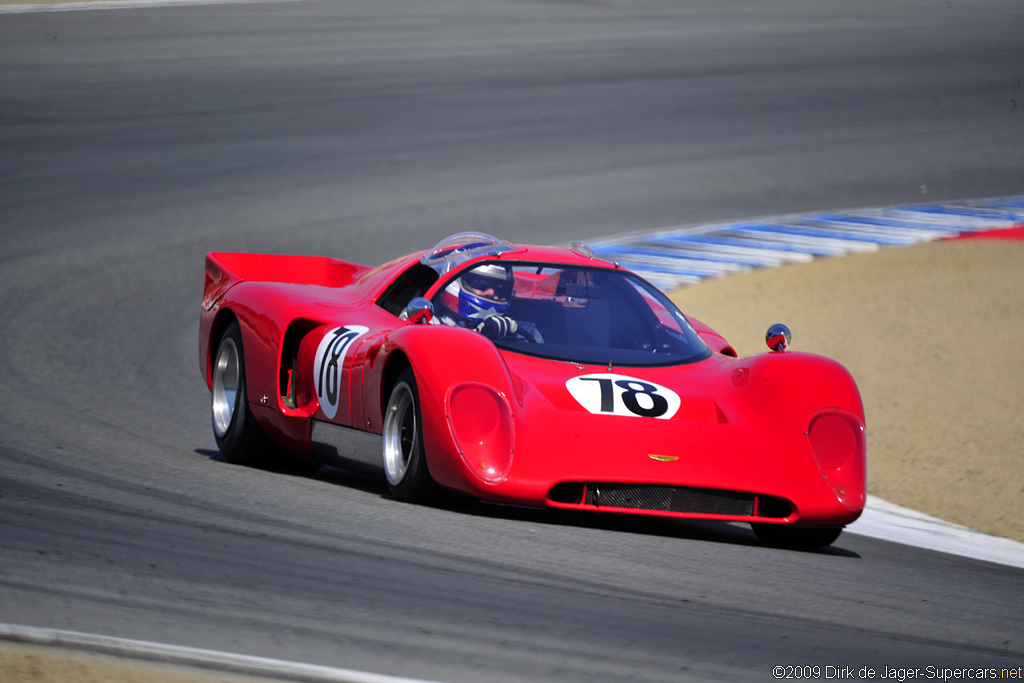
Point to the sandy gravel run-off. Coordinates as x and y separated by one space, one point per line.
32 664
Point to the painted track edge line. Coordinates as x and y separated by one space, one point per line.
77 6
890 522
187 656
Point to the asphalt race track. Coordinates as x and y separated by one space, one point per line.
134 141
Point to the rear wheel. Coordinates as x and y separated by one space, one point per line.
784 535
405 464
238 436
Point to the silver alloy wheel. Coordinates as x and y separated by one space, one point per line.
225 387
400 435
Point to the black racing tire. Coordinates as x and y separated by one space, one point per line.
238 435
405 462
787 536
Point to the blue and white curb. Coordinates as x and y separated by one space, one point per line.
684 255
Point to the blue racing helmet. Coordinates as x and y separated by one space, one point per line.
485 291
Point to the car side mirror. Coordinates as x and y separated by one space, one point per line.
419 310
777 338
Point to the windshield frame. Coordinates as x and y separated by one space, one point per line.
639 288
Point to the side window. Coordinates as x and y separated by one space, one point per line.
410 284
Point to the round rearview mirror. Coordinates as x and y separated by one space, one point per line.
419 310
778 336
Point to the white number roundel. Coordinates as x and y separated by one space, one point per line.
327 365
611 394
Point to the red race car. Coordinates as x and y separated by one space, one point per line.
528 375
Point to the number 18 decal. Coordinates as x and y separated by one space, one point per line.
610 394
330 357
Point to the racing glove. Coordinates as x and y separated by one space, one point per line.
498 327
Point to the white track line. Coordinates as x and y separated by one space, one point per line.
194 657
118 4
890 522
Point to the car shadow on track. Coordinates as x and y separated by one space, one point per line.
294 468
733 533
711 531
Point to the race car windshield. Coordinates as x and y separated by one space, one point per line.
587 315
455 250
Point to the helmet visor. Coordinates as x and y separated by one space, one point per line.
488 287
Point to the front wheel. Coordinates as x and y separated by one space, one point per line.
404 462
784 535
238 436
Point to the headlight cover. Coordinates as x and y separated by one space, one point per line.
837 441
480 420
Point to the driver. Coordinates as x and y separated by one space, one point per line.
483 294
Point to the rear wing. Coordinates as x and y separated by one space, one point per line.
224 270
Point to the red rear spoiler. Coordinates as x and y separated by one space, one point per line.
224 270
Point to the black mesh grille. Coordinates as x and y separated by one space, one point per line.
671 499
681 499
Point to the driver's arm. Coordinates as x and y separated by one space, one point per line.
498 327
503 327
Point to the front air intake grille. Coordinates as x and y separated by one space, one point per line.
671 499
684 499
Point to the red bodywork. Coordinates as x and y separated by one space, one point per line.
781 432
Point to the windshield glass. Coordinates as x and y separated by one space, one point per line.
455 250
571 313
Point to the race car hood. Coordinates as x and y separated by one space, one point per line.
721 423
